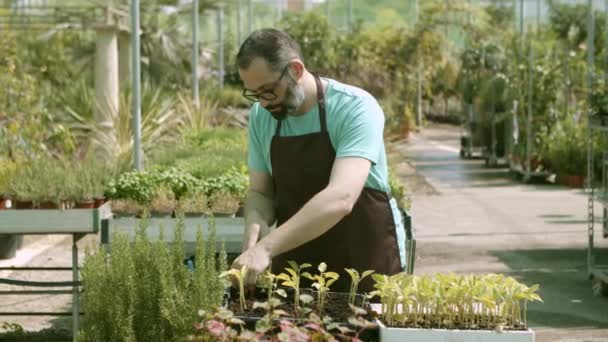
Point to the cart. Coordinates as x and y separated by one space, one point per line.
470 136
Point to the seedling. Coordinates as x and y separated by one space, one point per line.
355 280
292 279
268 281
322 282
240 276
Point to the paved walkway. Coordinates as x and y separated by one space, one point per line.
470 218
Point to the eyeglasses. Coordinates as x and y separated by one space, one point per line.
267 95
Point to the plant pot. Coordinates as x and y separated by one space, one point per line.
573 181
9 244
23 205
84 204
98 202
388 334
48 205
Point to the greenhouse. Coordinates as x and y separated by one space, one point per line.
304 170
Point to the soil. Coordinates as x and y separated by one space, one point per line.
336 305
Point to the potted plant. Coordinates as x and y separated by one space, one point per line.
21 188
447 307
7 171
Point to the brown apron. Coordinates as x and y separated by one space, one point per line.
364 239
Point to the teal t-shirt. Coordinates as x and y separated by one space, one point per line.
355 123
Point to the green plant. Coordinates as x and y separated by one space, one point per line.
292 278
142 291
598 100
178 181
136 185
322 282
8 170
355 278
239 276
490 301
222 325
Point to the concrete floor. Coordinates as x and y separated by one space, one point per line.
473 219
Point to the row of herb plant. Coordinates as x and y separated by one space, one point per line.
50 182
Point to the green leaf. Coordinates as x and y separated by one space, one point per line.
366 273
322 267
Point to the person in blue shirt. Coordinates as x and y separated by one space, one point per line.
317 169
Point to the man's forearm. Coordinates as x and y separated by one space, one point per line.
259 215
317 216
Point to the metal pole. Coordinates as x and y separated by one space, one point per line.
590 208
606 44
418 79
220 48
195 29
521 23
75 290
279 10
238 23
250 15
350 15
136 101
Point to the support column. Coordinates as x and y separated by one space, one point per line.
106 85
124 58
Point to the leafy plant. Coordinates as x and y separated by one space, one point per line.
491 301
141 290
356 278
322 282
136 185
222 325
8 170
292 278
239 276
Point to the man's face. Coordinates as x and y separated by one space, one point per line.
278 92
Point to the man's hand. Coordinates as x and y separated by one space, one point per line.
257 259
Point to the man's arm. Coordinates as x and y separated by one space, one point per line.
259 208
324 210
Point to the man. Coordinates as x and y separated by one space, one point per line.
317 166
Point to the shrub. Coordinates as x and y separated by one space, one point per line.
144 292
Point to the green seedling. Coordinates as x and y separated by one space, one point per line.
355 280
322 282
240 276
292 279
268 281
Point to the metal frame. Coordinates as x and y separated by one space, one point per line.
76 222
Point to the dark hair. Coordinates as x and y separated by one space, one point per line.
276 47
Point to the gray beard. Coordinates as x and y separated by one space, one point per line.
294 99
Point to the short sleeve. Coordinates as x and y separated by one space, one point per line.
255 158
362 131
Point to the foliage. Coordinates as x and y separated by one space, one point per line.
135 185
322 281
598 99
291 279
240 276
564 146
490 301
222 325
144 292
314 35
58 180
356 278
8 170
